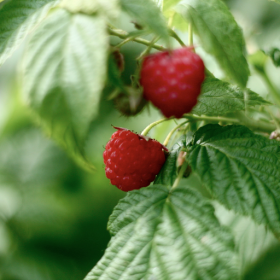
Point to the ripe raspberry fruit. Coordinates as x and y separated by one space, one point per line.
172 80
131 160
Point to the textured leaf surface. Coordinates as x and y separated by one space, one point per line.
241 170
157 235
64 71
148 14
17 19
168 172
251 240
219 34
218 98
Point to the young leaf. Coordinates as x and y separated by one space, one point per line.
162 235
168 172
17 19
219 34
64 71
240 169
219 98
148 14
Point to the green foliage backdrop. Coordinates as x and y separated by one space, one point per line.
57 81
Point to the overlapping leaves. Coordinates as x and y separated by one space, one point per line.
168 172
219 97
162 235
240 169
147 13
219 34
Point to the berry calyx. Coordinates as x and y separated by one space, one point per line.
131 102
132 161
119 59
172 80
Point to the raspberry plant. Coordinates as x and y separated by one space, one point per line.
224 140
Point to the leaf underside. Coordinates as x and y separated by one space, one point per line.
147 13
64 72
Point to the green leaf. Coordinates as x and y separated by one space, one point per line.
168 4
159 3
162 235
64 71
218 98
258 61
219 34
251 240
168 172
274 53
277 1
17 19
114 75
240 169
148 14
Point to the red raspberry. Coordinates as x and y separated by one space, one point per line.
131 160
172 80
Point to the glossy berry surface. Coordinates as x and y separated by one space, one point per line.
172 80
131 160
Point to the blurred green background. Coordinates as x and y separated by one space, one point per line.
53 215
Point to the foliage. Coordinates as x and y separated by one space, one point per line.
220 222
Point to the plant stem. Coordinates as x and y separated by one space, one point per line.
147 50
190 34
175 36
150 126
260 126
124 35
180 175
274 92
172 132
242 119
129 39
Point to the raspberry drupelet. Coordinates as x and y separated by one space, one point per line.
131 160
172 80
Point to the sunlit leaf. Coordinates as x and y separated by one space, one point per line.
219 34
240 169
64 71
218 98
17 19
162 235
148 14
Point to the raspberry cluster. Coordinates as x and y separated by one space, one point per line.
172 80
132 161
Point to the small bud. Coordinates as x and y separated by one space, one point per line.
180 162
119 59
275 135
137 25
130 103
